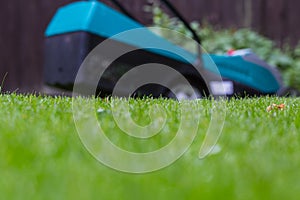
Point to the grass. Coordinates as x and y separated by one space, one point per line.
42 156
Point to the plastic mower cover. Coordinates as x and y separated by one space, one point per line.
78 27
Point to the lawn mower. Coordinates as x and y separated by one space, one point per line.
77 28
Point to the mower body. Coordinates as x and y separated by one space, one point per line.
76 29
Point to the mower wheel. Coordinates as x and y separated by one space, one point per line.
288 92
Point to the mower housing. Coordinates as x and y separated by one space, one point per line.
77 28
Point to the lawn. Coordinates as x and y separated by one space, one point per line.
42 156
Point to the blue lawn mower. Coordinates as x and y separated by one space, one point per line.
77 28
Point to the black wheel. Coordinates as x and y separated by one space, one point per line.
288 92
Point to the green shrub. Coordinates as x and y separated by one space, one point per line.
219 41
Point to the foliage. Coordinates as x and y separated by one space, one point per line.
42 156
219 41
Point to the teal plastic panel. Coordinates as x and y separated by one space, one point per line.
97 18
247 73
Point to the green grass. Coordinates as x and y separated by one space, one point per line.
42 156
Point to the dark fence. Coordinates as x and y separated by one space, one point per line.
23 24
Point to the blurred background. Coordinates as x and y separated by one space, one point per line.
23 24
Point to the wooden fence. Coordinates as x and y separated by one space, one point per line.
24 22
